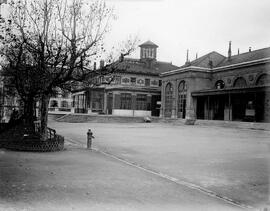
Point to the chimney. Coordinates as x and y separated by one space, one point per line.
196 55
230 50
187 60
121 58
95 65
101 64
249 50
238 52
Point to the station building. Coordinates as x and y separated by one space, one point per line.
134 90
215 87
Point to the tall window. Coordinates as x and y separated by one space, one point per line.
144 53
168 100
125 101
97 100
147 82
133 80
182 95
54 103
117 80
153 52
64 104
141 102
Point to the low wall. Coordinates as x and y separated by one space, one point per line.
16 139
142 113
35 145
136 113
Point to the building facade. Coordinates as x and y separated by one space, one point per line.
215 87
134 90
61 102
8 101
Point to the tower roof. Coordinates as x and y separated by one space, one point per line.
148 43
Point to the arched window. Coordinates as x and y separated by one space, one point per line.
54 103
263 79
168 100
182 95
219 84
240 82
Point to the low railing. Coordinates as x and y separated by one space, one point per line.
51 133
37 126
29 140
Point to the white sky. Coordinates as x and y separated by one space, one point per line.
198 25
201 26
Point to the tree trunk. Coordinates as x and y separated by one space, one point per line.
29 111
44 116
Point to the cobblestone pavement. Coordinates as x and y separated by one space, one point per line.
80 179
231 162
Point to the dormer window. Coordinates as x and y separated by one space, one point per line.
148 53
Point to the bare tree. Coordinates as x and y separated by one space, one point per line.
54 43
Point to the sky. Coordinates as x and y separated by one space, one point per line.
201 26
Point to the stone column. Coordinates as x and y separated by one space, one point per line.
133 102
113 99
190 109
174 100
105 103
59 104
190 101
116 100
90 102
149 101
161 112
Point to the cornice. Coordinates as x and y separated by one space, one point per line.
216 69
187 69
242 64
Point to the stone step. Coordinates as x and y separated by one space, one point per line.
77 118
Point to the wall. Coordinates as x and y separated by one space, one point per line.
195 81
122 112
267 107
250 74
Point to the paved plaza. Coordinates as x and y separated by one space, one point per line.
231 162
141 166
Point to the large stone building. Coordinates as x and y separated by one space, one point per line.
215 87
134 91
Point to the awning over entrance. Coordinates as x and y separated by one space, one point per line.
234 90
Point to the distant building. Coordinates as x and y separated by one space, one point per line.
61 102
215 87
8 101
134 91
